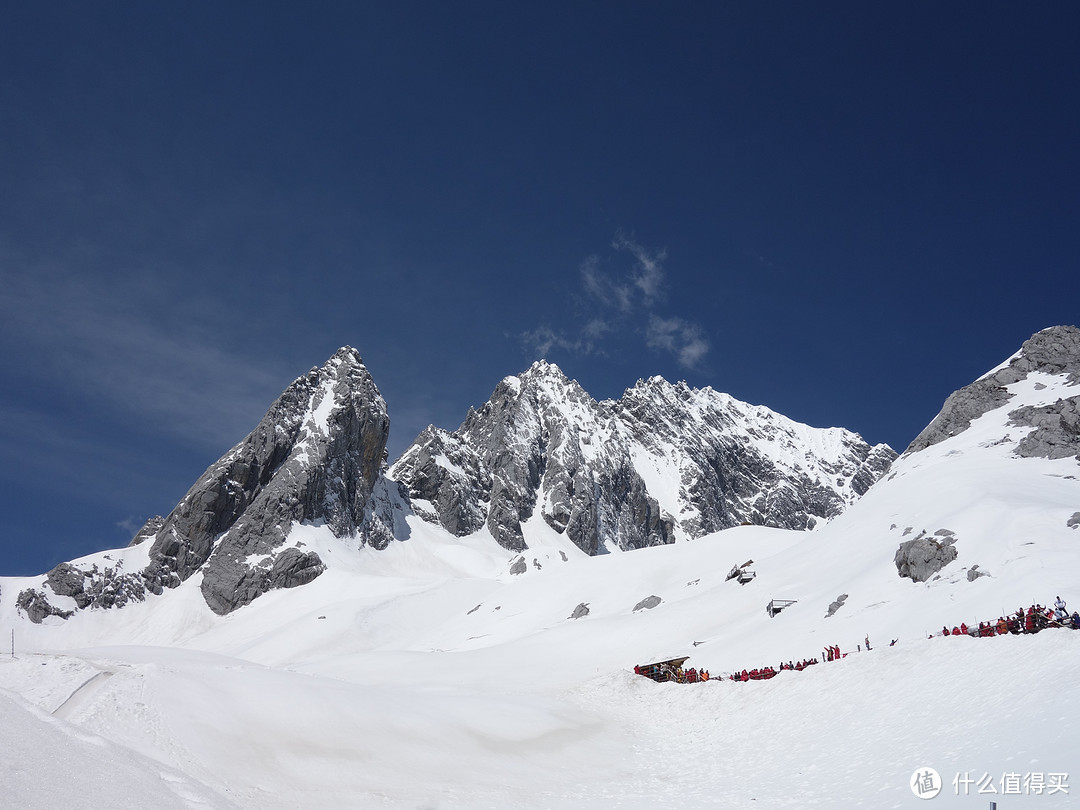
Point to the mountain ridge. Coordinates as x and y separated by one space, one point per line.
540 441
665 461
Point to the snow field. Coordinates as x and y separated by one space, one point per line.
426 675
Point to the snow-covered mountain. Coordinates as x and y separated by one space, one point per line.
425 673
664 461
316 457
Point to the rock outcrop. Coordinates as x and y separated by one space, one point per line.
35 605
1057 429
648 603
923 557
836 605
1054 351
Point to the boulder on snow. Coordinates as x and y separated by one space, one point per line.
648 603
921 558
1074 521
580 610
835 606
974 573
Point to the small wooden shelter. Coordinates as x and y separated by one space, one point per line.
776 605
661 671
742 573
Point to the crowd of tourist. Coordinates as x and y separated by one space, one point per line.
1032 620
764 673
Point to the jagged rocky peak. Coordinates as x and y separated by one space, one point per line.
316 456
664 458
539 443
741 463
1052 353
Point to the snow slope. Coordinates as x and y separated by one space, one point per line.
428 675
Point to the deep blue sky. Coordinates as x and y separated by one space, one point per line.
843 211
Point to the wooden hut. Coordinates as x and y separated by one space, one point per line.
661 671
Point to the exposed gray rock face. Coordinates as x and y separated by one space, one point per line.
1057 429
93 587
67 580
440 470
542 443
35 604
739 463
148 531
835 606
580 611
921 558
1074 521
315 457
648 603
1052 351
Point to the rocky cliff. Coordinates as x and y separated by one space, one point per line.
316 456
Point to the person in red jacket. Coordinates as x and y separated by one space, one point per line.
963 628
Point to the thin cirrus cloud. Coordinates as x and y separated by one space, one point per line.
623 299
681 338
104 345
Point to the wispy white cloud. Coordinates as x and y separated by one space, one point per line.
683 339
111 346
648 273
540 341
604 289
596 328
623 300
